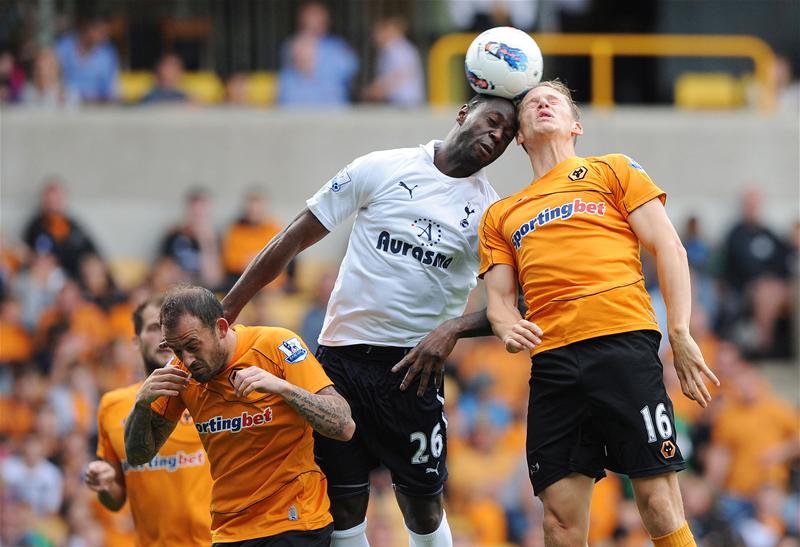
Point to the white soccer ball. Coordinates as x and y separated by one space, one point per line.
503 61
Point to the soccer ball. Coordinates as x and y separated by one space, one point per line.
503 61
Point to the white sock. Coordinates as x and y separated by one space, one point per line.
352 537
440 538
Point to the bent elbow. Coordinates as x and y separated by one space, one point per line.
348 431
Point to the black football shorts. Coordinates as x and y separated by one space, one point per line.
293 538
405 433
600 404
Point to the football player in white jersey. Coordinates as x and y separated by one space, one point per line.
411 263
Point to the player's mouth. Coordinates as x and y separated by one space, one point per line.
486 147
545 114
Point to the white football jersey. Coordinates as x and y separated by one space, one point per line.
412 258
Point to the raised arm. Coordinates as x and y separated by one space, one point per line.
657 234
507 323
301 233
146 431
326 411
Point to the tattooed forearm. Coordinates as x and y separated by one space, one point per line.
145 434
327 412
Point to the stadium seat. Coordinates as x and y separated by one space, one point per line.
203 87
134 85
708 90
129 273
261 88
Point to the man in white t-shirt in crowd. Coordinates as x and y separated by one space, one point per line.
410 264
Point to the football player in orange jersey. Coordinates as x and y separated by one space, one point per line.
256 394
157 489
571 239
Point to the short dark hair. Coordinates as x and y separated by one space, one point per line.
196 301
138 320
480 98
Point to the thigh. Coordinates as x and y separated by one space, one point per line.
346 464
412 441
560 436
624 379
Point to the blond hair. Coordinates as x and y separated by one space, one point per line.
562 88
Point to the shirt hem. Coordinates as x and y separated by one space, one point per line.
594 334
381 343
296 526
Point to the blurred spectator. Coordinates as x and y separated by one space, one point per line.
697 250
756 273
236 90
16 344
315 316
81 325
88 60
317 68
33 479
96 282
787 87
168 78
480 15
37 287
51 230
12 78
400 79
755 436
193 244
248 235
46 90
705 519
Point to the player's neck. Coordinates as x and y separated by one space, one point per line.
231 340
547 154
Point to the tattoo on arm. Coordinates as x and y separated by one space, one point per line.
145 434
326 411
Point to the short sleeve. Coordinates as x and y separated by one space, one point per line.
350 190
634 186
299 365
493 247
171 408
105 450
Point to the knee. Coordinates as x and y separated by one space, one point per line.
422 515
561 531
349 512
663 507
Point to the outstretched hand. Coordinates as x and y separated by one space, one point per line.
427 359
691 367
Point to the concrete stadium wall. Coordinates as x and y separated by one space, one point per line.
127 170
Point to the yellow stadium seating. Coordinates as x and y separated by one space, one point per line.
203 87
134 85
708 90
261 88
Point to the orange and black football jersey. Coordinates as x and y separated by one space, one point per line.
576 257
170 496
266 481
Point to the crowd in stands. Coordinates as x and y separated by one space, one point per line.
317 69
65 339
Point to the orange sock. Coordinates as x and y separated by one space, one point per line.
682 537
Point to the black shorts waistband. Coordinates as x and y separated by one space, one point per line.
369 352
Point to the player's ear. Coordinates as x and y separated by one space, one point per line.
462 114
137 344
577 129
222 327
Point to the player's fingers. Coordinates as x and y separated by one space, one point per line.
709 374
523 332
528 342
242 384
533 327
405 361
424 379
512 346
411 373
165 392
695 391
701 387
439 378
